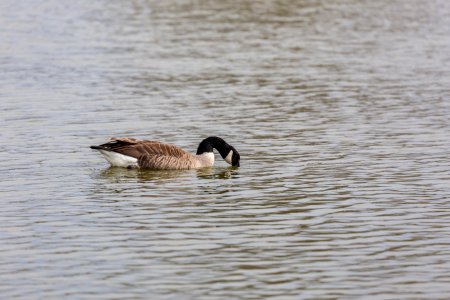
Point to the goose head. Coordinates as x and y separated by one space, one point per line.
233 157
228 152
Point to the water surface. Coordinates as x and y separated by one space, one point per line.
340 110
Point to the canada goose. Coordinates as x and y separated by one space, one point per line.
135 153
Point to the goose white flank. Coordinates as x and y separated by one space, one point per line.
146 154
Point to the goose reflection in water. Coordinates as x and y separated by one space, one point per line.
120 174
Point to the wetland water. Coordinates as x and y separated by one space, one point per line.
339 109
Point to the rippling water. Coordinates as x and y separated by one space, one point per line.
340 110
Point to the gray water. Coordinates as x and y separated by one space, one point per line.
339 109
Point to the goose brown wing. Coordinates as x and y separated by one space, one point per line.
137 148
166 162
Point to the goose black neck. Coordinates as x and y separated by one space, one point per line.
215 142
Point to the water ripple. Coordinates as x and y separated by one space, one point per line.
339 111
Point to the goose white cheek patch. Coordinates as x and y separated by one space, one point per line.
229 157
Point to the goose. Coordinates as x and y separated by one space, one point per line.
145 154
